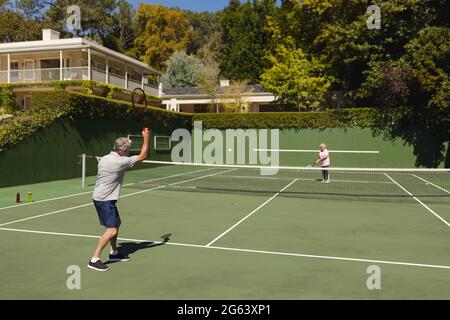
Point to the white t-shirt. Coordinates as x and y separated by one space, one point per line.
111 171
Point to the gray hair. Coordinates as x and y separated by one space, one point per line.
122 144
323 145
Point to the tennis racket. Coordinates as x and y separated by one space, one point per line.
138 97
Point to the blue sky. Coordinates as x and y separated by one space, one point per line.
194 5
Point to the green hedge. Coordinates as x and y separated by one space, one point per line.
51 105
87 86
357 117
7 99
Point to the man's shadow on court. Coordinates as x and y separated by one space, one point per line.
128 248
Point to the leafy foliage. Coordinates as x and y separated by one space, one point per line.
95 24
208 80
205 31
295 79
182 70
7 99
14 27
245 39
361 117
160 32
389 83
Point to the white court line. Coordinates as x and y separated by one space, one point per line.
237 223
423 204
124 196
434 185
317 151
79 194
240 250
305 179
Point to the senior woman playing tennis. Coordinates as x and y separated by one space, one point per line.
111 171
324 160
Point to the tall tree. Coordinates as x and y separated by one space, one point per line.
245 38
123 32
295 79
345 42
416 88
160 32
14 27
97 17
204 26
182 71
31 8
208 80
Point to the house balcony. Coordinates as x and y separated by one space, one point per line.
75 73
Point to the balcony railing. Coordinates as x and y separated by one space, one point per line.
3 76
97 75
151 90
116 80
75 73
133 84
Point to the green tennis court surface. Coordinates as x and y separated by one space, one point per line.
235 235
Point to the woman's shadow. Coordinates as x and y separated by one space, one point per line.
128 248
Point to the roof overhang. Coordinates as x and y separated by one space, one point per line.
205 99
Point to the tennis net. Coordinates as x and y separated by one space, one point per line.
291 181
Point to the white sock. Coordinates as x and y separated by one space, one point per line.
114 252
94 260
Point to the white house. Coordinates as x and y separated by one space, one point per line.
53 59
192 100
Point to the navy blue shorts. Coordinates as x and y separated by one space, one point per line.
108 213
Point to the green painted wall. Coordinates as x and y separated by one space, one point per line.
52 153
392 153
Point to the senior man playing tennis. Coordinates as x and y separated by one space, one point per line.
111 171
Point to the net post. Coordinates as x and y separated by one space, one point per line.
83 170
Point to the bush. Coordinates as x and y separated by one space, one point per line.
7 99
88 87
360 117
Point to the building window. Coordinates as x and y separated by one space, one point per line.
14 66
200 108
27 102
